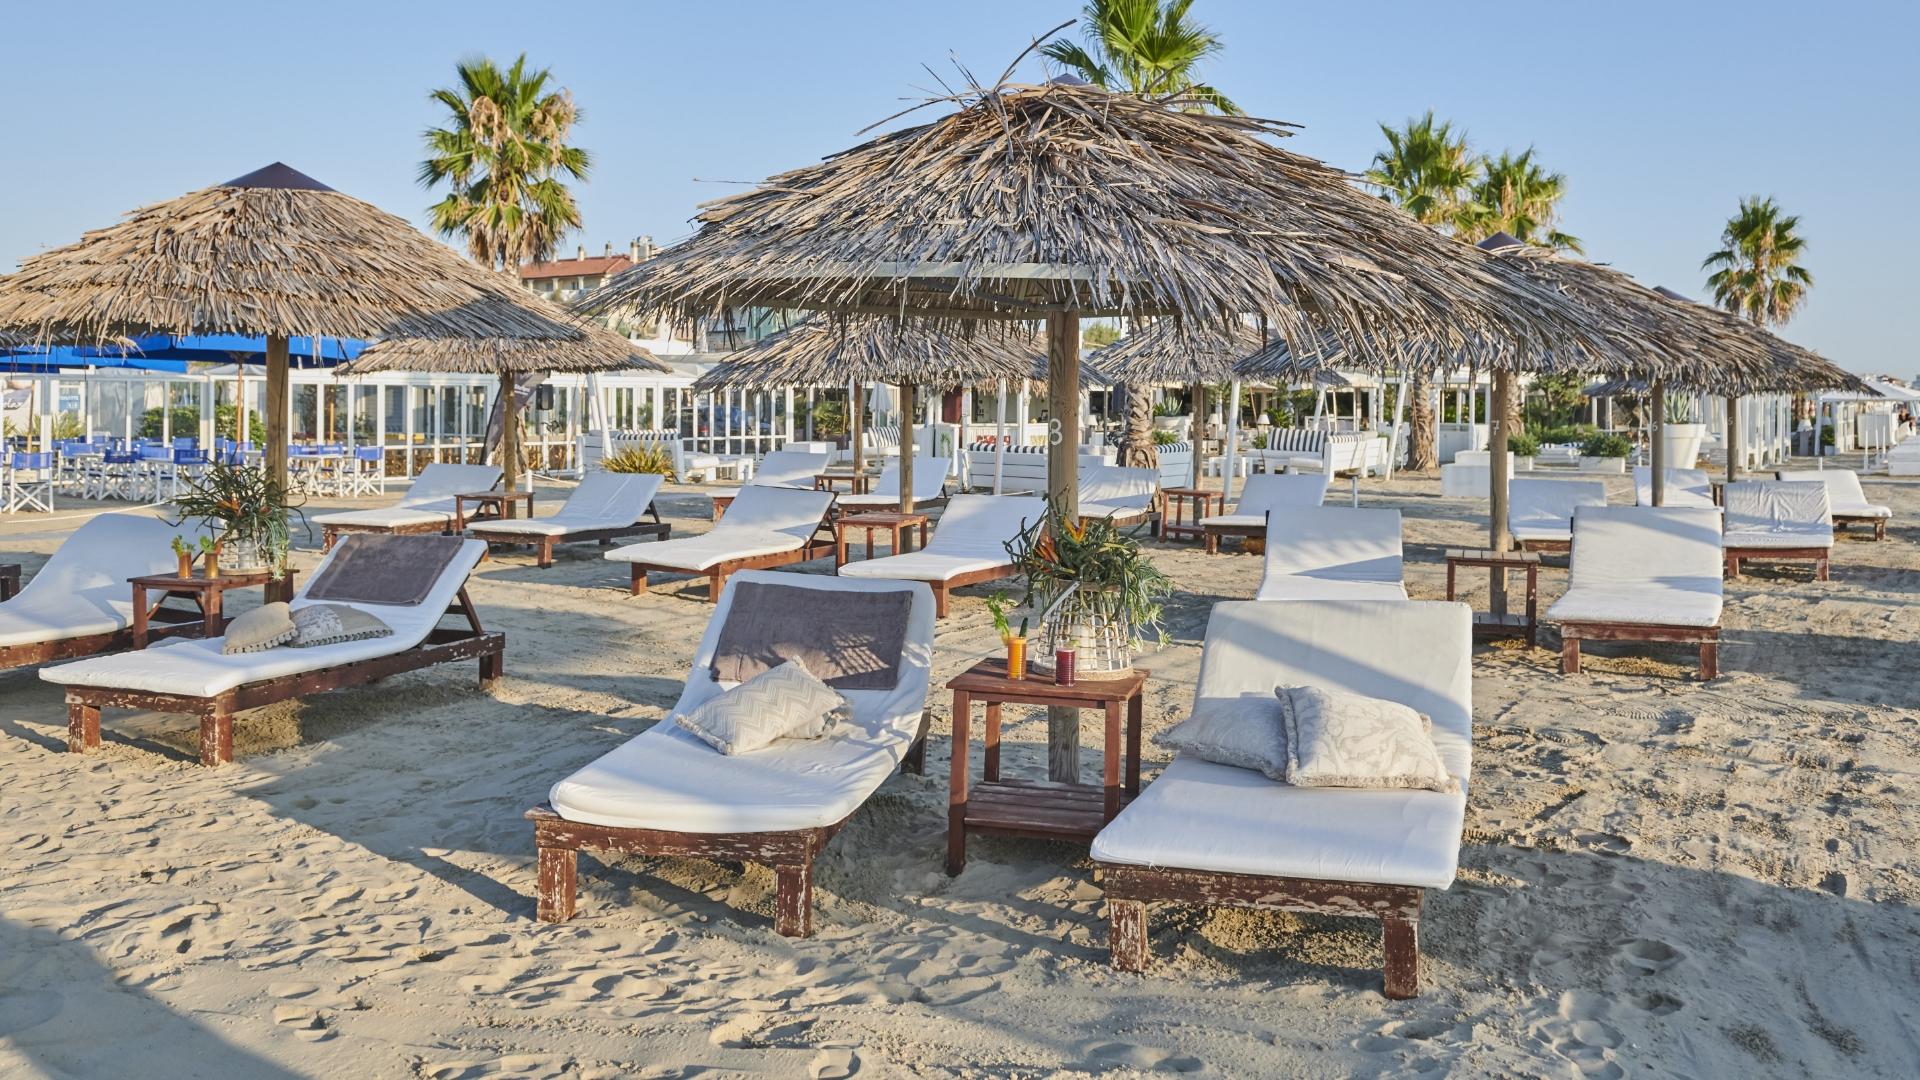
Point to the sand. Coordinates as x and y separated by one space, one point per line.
1659 877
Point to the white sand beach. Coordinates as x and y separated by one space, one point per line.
1660 877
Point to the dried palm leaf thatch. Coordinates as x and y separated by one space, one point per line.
1034 199
596 349
828 351
272 252
1093 376
1793 368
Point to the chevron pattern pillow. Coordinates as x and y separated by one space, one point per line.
785 702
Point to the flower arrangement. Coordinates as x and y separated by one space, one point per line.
1096 588
247 510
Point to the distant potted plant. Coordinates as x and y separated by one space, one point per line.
1168 416
185 554
1604 454
1524 449
247 512
1095 589
1001 605
1682 431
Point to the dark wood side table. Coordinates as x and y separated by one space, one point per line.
1037 808
857 483
488 506
9 580
204 591
1502 625
899 525
1174 504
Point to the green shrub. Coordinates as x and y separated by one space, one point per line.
1826 435
1606 446
649 458
1568 434
1165 438
1523 445
829 418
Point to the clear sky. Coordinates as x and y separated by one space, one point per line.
1661 114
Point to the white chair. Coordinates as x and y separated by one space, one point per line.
1848 502
1333 553
1777 521
665 792
1121 495
1263 494
766 527
79 603
29 481
1643 573
1540 512
605 506
929 487
1215 834
1685 487
427 507
969 547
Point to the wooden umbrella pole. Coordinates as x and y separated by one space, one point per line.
278 393
1197 432
1656 426
1498 469
907 430
509 438
1733 438
1063 487
854 410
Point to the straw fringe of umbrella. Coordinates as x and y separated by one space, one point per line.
596 349
833 352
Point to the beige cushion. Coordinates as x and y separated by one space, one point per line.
262 628
785 702
325 624
1340 739
1247 732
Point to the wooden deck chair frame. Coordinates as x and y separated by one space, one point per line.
1573 633
1841 521
656 528
329 534
1819 556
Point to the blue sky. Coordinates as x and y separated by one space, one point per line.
1661 114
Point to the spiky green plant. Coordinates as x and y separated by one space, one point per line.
1117 583
240 502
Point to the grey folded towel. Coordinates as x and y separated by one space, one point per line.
848 640
368 568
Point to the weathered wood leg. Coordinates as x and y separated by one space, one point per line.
1880 528
716 582
546 552
957 786
915 760
793 900
83 727
559 883
1401 943
1127 934
1820 570
216 735
638 584
493 666
1709 660
939 599
1569 654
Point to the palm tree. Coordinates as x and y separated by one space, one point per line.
1757 271
1516 196
502 156
1149 48
1429 171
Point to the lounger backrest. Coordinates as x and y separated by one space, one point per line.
103 553
873 710
1418 653
929 477
442 481
789 468
412 622
984 524
1843 485
1776 506
1335 542
609 496
1282 491
1685 487
1114 485
793 511
1616 547
1550 504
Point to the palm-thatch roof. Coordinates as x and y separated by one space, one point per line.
823 351
1093 375
597 349
1035 199
273 252
1171 351
1792 367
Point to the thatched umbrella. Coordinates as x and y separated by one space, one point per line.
273 252
595 349
1163 352
832 351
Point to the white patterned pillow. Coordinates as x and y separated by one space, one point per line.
1338 739
785 702
1245 732
328 624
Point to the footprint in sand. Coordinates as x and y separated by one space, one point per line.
1145 1058
1604 843
1646 956
833 1064
1657 1003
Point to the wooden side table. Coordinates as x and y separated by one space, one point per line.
9 580
205 592
721 504
1175 502
1504 624
898 524
857 483
488 506
1037 808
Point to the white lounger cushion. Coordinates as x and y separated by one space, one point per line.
1844 496
1685 487
429 501
82 589
1543 509
761 521
929 480
973 535
1116 492
1777 514
665 778
1201 816
1330 552
197 668
790 468
1273 491
604 500
1641 564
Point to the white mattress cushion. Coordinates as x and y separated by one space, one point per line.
761 521
1543 509
1777 514
197 668
1280 491
789 468
1844 494
973 535
603 500
1117 511
430 498
1313 587
1685 487
1236 521
929 480
1642 564
665 778
1201 816
390 517
1332 544
82 588
1111 486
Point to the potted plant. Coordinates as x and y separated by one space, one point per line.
1168 417
185 555
1001 605
1682 431
1524 449
1604 454
247 512
1095 589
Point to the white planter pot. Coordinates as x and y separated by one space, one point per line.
1682 444
1523 464
1616 466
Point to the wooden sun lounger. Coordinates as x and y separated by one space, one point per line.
1818 556
99 557
1630 560
331 534
1879 524
656 528
818 547
1573 633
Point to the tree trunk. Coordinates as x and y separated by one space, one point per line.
1136 446
1422 451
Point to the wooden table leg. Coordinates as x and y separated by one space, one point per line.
139 616
1136 705
1533 604
839 546
1110 761
991 770
957 786
211 623
869 531
923 536
1450 569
